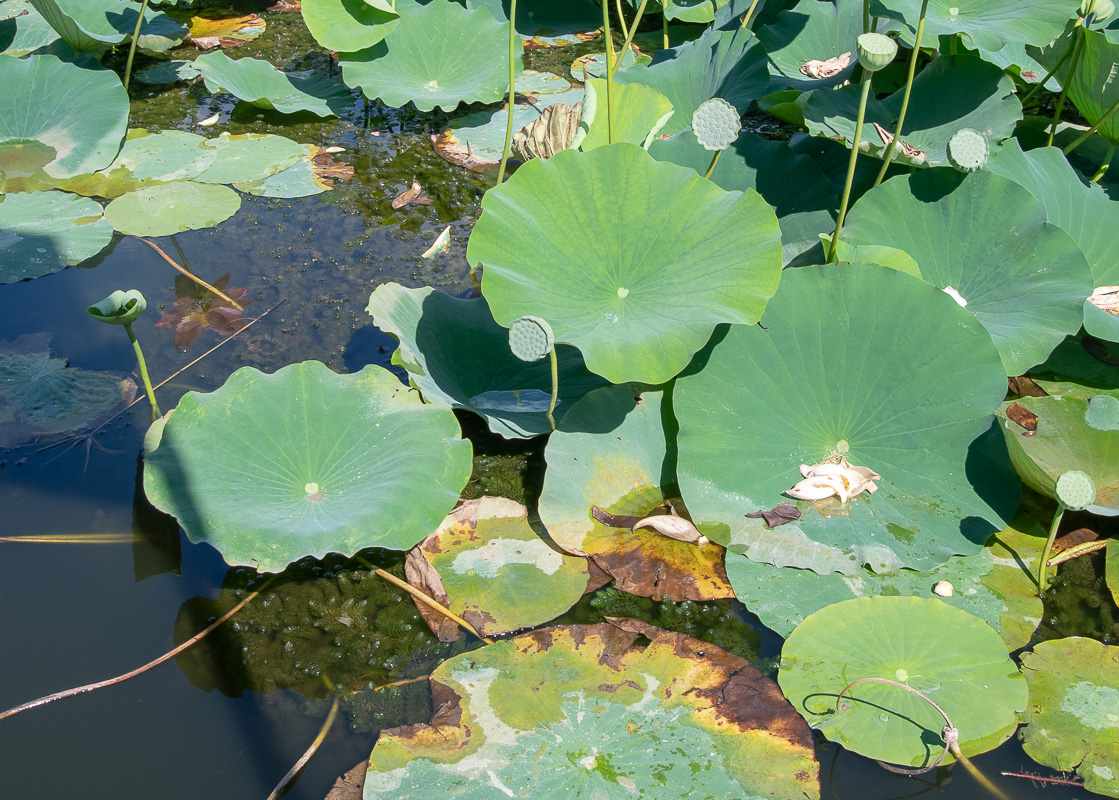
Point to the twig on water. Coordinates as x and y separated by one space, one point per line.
302 762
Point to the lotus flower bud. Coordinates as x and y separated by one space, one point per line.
1103 9
119 308
876 51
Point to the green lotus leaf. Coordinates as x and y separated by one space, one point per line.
42 232
27 34
692 10
349 25
631 260
536 17
1090 88
878 254
249 157
99 24
988 25
171 208
812 31
167 72
81 113
640 112
952 92
308 176
146 158
484 555
727 64
259 83
954 658
609 452
456 354
1100 324
159 32
793 184
440 55
1074 705
534 83
1064 441
644 716
593 65
815 381
270 468
1071 371
987 238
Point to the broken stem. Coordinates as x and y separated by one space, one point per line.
423 598
190 274
302 762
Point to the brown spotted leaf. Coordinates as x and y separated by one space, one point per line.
459 152
421 575
206 34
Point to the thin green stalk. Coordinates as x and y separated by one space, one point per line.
512 93
1060 62
609 71
132 44
1064 89
851 165
892 146
629 36
555 387
866 16
622 19
1043 568
664 31
749 14
711 166
1106 163
1095 126
155 412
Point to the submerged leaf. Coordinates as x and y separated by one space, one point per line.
414 194
196 308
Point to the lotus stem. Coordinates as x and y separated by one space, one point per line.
664 31
1095 126
512 93
132 44
310 751
749 14
155 412
866 16
188 273
609 72
555 387
423 598
1060 61
851 165
888 156
980 778
1106 163
711 166
1064 89
622 19
629 36
1043 567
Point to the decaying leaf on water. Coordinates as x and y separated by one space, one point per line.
550 133
206 34
815 68
459 152
196 308
441 244
780 514
413 194
326 169
673 526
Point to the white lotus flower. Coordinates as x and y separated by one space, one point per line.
826 480
948 290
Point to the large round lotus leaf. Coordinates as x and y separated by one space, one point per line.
440 55
147 158
1100 323
547 16
1091 88
1063 440
1023 278
812 31
42 232
986 24
259 83
849 358
269 468
90 24
610 453
675 713
485 563
952 92
313 174
1073 722
348 25
172 208
30 33
726 64
954 658
631 260
456 354
249 157
81 113
1072 371
692 10
640 112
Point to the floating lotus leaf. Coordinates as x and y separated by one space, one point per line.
546 16
42 232
456 354
1072 372
249 157
988 25
1064 441
41 397
90 25
259 83
609 452
692 10
346 25
27 34
954 658
816 380
493 570
225 32
952 92
440 55
1100 323
144 159
1023 278
1090 88
313 174
81 113
593 65
1074 705
726 64
172 208
167 72
640 112
812 31
676 712
270 468
636 263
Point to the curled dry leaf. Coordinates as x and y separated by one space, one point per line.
1106 298
206 123
826 69
459 153
1024 417
326 169
678 528
828 480
1025 386
908 150
780 514
420 573
414 194
1075 539
548 134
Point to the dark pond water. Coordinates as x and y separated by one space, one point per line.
207 725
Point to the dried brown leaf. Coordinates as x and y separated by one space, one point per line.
458 152
1023 416
420 574
780 514
826 69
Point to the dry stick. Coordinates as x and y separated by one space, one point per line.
190 274
423 598
72 538
50 698
1061 781
302 762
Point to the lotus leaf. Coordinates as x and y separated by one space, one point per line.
168 72
952 92
1072 372
171 208
1023 278
249 157
81 113
313 174
816 380
593 65
954 658
546 16
1063 441
623 474
440 55
812 31
147 158
727 64
1091 88
90 25
988 25
349 25
42 232
1111 571
1100 323
493 570
878 254
259 83
640 112
631 260
225 32
270 468
28 34
676 712
1074 700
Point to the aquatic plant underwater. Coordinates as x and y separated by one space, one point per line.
810 373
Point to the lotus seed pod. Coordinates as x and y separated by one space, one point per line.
968 150
716 124
530 338
1075 490
1103 9
876 51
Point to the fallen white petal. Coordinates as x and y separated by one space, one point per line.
948 290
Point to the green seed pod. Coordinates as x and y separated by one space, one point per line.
119 308
716 124
530 338
967 150
1075 490
876 51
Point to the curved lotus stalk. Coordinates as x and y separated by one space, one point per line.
124 308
